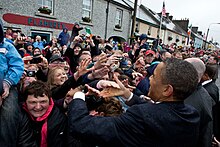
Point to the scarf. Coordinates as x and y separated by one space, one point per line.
44 119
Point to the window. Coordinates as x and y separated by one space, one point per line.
45 6
149 31
177 38
87 10
118 19
44 35
137 27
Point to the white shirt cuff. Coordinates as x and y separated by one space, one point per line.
128 98
79 95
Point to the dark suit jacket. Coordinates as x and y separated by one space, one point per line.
202 101
212 90
167 124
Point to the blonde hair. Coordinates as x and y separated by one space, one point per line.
50 76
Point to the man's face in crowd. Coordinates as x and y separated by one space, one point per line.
85 56
37 52
30 48
211 60
156 86
37 107
149 58
14 35
166 55
56 51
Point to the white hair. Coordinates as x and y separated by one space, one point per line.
198 65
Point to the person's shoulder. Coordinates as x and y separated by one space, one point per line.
57 115
143 108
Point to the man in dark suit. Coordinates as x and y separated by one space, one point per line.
202 101
213 90
166 123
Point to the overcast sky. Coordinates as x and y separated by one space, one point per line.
201 13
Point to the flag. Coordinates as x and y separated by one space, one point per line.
163 10
204 36
189 34
88 32
189 30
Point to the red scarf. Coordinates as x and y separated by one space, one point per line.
42 118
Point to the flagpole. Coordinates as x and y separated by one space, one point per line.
160 26
163 12
189 34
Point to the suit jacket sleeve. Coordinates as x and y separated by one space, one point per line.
89 128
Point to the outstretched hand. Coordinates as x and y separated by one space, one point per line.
92 91
113 91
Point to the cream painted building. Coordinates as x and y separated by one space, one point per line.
148 22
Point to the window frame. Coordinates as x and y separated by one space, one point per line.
87 10
42 4
119 19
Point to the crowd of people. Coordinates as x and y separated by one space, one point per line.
81 90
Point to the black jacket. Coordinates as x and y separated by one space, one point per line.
212 90
142 125
57 135
202 101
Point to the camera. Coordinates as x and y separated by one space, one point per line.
36 59
31 73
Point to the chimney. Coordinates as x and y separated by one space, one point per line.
171 17
167 15
200 33
159 14
195 29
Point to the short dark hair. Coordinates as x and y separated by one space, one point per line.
181 75
37 88
111 106
210 70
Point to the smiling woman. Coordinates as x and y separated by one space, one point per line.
48 123
56 77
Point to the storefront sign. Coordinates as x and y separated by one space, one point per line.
38 22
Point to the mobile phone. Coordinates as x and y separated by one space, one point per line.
36 60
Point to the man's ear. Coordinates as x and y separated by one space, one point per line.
102 114
168 90
205 77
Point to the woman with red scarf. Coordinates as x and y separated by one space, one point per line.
48 123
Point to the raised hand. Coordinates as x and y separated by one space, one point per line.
101 61
99 73
82 68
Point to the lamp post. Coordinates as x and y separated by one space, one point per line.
106 21
208 32
134 20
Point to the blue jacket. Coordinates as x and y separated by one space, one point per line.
64 37
40 45
12 65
